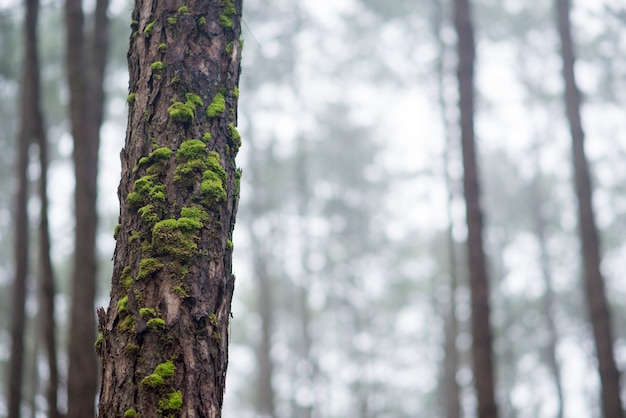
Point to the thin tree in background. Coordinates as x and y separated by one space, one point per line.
24 139
451 390
85 70
164 338
479 284
46 285
594 282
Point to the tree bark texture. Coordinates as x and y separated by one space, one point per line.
594 282
25 136
479 284
164 337
85 67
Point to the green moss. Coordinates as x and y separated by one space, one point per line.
226 18
165 370
175 238
134 25
213 164
162 47
147 313
162 153
126 278
116 231
194 212
172 20
202 21
213 319
194 98
191 149
183 10
181 112
191 162
157 66
180 292
231 114
153 381
229 47
130 413
131 98
131 350
149 27
229 244
156 323
148 266
128 324
217 106
175 80
173 403
212 186
206 137
122 305
217 336
236 92
99 341
134 237
148 214
234 135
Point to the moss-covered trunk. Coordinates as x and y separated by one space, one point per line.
164 338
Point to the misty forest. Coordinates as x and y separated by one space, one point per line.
305 209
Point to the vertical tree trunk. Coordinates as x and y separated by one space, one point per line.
25 135
85 75
539 220
265 305
164 336
594 282
46 286
479 283
451 391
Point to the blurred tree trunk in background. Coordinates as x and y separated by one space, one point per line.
27 130
259 205
85 70
164 337
451 391
536 201
46 285
594 283
479 283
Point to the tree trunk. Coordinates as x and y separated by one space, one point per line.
259 204
85 75
47 289
539 221
451 390
479 283
25 135
594 282
164 336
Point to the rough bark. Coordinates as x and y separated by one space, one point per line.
482 355
25 135
164 337
594 282
85 67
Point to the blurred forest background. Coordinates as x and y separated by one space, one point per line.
352 296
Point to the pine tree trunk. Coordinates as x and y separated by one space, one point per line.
164 336
479 283
450 388
85 74
594 283
25 136
47 288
